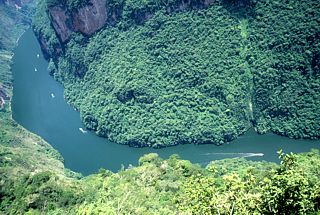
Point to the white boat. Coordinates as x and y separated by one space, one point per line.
38 55
82 130
52 95
35 69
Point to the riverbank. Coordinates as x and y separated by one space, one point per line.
58 123
21 152
33 179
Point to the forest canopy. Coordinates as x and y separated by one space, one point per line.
205 74
174 186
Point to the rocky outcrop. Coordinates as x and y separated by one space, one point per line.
44 46
91 17
87 19
59 20
95 15
48 51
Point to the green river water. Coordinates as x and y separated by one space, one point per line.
39 106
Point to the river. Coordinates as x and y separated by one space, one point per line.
39 106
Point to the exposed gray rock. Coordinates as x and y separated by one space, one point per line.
59 19
90 18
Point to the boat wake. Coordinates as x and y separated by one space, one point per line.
237 155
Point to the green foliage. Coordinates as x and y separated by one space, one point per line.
155 85
40 191
198 193
287 189
225 166
234 196
52 3
241 3
290 189
10 17
164 74
173 186
76 4
43 30
149 158
284 57
143 75
70 4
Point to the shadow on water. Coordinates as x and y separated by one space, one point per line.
39 106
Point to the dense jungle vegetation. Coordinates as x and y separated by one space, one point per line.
174 186
34 181
285 63
201 75
8 36
20 151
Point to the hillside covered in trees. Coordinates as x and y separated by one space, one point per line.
174 186
164 73
34 181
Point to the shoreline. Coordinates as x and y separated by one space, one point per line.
10 69
2 103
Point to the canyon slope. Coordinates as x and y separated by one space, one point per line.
158 73
34 181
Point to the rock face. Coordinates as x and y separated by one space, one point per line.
57 50
86 20
91 17
95 15
60 19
